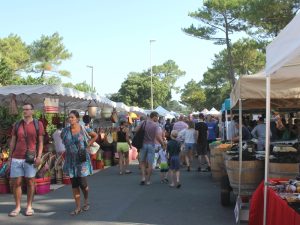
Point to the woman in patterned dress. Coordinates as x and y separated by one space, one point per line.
74 138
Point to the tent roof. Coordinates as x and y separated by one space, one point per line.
213 111
162 111
285 91
283 53
36 94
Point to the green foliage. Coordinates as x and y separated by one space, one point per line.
193 95
173 105
169 72
15 53
8 120
7 75
47 53
218 19
136 89
83 86
269 17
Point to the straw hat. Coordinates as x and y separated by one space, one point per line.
174 134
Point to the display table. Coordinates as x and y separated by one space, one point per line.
278 210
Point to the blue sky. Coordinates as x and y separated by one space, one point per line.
113 36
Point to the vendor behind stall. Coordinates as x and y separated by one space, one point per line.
246 135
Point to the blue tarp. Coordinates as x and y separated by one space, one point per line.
226 105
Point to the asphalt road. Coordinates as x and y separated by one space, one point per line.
119 199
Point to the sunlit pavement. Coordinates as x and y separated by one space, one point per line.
119 199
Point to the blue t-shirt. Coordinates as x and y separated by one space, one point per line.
212 126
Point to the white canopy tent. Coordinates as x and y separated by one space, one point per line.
213 112
205 111
121 107
35 94
161 111
282 59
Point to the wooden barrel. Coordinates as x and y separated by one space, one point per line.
283 170
216 161
252 175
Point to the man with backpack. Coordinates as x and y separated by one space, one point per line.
26 150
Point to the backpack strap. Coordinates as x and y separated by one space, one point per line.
37 130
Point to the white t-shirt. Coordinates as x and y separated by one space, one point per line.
59 146
163 156
188 135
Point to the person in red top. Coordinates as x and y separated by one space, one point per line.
23 139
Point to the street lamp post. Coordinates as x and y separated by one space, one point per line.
92 80
151 75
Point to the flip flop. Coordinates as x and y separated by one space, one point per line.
75 212
29 212
14 213
86 207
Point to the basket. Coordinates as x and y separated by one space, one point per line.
4 185
58 169
42 185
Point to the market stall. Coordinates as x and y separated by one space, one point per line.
283 60
249 94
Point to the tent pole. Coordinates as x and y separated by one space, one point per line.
240 149
267 145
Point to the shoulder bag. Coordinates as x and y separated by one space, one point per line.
138 138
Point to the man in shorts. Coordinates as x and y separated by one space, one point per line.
202 143
147 152
25 138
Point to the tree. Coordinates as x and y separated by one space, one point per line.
15 53
193 95
248 58
83 86
7 75
48 53
135 90
169 73
218 16
269 17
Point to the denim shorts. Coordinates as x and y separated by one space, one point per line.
189 146
174 163
147 153
19 168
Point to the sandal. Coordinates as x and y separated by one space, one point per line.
14 213
86 207
29 212
75 212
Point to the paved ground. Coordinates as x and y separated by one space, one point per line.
119 199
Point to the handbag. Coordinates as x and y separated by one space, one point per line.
30 156
138 138
94 148
82 155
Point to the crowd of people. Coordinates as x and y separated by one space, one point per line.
167 145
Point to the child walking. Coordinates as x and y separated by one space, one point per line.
173 150
164 168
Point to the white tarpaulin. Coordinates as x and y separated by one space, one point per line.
162 111
251 89
36 94
282 59
213 112
283 53
121 107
